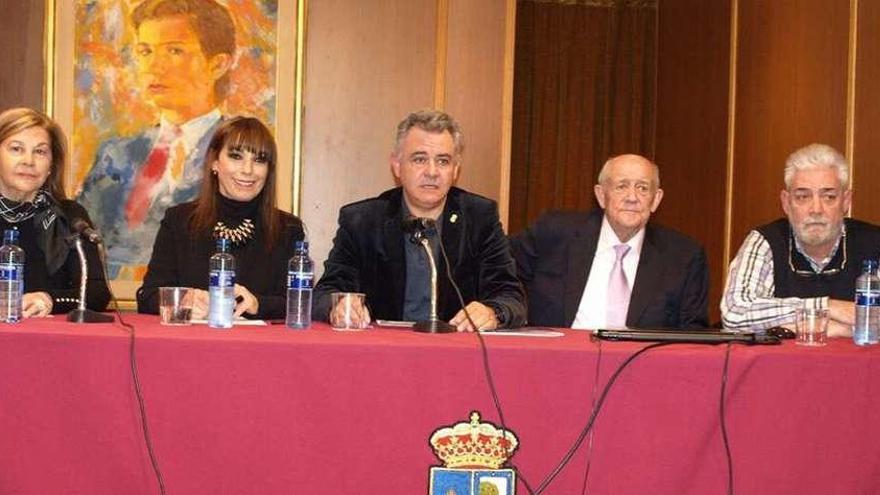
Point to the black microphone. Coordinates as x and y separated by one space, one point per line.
81 314
419 228
83 228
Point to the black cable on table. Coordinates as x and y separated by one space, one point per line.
142 408
723 416
594 414
487 369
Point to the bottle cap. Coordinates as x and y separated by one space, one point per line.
301 245
222 244
869 265
10 235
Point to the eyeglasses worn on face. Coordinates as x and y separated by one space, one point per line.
825 272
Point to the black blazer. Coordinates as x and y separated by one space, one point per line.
368 256
555 254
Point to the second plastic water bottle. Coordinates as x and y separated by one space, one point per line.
221 287
300 275
866 331
11 277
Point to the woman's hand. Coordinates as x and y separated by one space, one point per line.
246 302
200 304
36 305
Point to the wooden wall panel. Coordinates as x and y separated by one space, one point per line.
21 38
692 125
866 156
370 63
474 84
791 91
367 65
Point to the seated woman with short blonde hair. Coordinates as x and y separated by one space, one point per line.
33 156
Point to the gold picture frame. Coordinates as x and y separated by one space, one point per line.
73 42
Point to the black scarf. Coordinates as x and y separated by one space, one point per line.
49 221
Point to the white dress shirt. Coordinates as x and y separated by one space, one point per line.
592 310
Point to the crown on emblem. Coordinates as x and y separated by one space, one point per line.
473 444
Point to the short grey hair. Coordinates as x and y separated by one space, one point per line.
603 173
814 156
430 121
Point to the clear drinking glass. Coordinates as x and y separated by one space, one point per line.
175 305
812 326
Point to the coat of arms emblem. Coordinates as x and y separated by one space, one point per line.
472 454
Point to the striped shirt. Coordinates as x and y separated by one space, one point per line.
748 300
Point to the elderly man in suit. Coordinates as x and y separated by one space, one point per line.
183 54
610 267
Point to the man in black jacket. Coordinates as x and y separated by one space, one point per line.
611 267
372 254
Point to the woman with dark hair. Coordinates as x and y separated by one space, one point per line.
32 200
236 202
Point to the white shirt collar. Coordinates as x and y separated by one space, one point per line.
608 238
194 130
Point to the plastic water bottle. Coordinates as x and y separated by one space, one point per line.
221 287
300 276
867 328
11 277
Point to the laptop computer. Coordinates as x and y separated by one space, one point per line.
691 336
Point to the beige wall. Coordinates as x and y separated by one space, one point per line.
367 63
370 63
475 88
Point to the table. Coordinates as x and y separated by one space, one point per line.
269 410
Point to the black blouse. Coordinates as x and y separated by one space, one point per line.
63 285
180 257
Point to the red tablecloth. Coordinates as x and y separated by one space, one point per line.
265 410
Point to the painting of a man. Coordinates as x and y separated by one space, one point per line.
182 53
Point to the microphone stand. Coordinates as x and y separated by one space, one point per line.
81 314
433 324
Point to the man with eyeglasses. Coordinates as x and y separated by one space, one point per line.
610 267
373 255
811 258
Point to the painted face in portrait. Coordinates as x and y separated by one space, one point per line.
815 205
241 173
629 193
174 72
25 163
426 167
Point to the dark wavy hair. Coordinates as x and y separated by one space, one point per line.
249 134
15 120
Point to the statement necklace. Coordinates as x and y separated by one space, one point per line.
237 235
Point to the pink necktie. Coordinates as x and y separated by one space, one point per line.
618 291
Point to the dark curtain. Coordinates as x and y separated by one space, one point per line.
584 90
